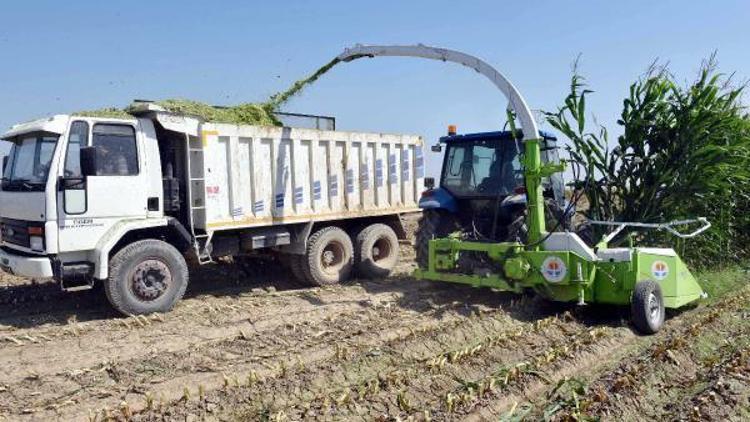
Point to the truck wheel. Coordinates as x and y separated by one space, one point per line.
330 256
434 224
297 265
647 307
146 276
376 251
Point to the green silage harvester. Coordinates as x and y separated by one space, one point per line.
558 265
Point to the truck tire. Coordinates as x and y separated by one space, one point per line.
434 224
647 307
297 264
330 257
376 251
145 277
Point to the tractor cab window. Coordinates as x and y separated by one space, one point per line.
482 168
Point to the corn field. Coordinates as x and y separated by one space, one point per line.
683 152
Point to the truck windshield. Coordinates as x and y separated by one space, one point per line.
482 168
29 162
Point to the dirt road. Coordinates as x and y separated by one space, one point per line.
263 348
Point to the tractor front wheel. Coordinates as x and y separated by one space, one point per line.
647 307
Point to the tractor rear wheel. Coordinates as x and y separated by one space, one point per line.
647 307
434 224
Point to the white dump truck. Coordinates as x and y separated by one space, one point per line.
128 202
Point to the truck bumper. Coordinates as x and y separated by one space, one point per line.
24 266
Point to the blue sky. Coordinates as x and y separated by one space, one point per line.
65 56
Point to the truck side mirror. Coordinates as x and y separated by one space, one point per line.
90 157
436 148
429 182
5 164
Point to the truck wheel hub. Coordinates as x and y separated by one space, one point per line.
151 279
381 250
332 257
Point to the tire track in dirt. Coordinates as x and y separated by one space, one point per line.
211 318
725 394
674 365
411 297
621 379
299 393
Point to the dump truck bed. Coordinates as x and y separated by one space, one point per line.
247 176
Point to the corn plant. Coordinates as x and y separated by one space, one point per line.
684 152
569 398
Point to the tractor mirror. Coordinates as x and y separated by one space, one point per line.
89 161
429 182
437 148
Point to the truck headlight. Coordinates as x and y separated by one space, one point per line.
36 243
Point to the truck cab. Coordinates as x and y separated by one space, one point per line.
61 219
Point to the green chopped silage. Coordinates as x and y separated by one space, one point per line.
110 113
248 113
280 98
259 114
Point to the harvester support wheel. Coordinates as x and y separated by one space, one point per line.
434 224
376 251
647 307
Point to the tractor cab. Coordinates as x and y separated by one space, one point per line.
482 182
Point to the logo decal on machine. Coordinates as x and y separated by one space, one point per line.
554 269
660 270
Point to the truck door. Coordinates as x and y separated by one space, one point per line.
88 207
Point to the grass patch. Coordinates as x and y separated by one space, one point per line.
724 281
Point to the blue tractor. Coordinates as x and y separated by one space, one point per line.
482 193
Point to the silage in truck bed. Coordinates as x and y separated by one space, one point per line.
260 114
247 114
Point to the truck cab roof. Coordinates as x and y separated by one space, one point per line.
486 136
54 124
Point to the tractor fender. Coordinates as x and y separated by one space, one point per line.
520 199
438 199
